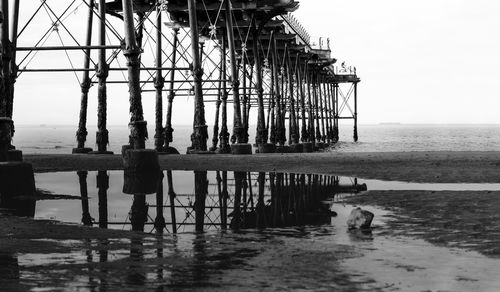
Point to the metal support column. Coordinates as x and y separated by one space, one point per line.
224 132
171 95
81 134
138 127
200 134
102 135
235 82
355 136
159 83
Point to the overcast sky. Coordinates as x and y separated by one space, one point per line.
429 61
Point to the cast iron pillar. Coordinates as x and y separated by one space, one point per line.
275 125
159 85
304 135
326 94
102 135
137 125
321 97
200 134
238 130
293 121
355 136
310 107
224 132
81 133
336 114
169 138
215 136
245 98
13 69
262 132
316 106
5 120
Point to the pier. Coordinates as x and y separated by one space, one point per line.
250 60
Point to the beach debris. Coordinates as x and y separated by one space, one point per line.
359 219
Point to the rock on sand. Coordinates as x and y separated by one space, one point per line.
359 219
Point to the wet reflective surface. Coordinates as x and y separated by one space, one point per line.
262 231
189 200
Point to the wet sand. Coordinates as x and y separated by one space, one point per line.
319 258
438 167
417 234
455 219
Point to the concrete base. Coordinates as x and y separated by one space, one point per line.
81 150
168 150
241 149
199 152
266 148
142 172
15 155
125 148
141 160
226 150
297 148
283 149
307 147
17 181
101 152
320 145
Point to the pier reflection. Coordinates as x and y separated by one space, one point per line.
185 201
220 200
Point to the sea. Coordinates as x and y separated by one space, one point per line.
60 139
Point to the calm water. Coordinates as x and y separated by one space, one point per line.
61 139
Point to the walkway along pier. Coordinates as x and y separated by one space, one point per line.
249 59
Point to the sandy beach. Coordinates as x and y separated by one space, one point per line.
432 167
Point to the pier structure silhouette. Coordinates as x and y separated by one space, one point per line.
251 60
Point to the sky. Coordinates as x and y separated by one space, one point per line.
429 61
